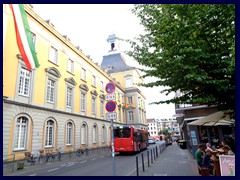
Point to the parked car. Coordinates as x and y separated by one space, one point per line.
151 141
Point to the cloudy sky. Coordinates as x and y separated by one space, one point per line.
89 25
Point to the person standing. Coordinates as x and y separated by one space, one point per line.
199 154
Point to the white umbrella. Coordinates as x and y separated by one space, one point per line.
215 119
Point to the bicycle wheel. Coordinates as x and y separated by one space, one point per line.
79 152
42 159
86 151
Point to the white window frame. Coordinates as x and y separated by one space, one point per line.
53 55
69 134
83 102
84 74
24 82
119 114
69 96
129 100
130 115
128 82
21 132
93 103
101 86
71 66
84 134
93 80
94 134
51 84
49 133
103 134
101 108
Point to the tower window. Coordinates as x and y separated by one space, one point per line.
112 46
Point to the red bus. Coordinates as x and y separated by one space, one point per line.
130 139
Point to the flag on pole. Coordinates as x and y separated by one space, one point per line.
24 38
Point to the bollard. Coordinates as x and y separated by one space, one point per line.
148 158
143 163
156 151
154 154
137 165
151 156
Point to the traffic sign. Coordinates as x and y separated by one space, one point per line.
112 115
110 106
109 97
110 87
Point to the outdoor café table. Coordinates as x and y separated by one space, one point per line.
217 167
216 164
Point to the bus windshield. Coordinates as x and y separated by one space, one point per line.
122 132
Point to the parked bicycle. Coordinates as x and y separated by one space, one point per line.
82 151
50 157
59 154
30 158
41 158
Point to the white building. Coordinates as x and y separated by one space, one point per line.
158 124
152 127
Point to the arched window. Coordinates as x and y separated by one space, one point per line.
49 136
103 134
94 134
84 132
21 130
69 133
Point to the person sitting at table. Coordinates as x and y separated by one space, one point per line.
207 162
227 150
223 144
199 154
208 145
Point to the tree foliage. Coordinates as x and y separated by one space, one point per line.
190 48
164 132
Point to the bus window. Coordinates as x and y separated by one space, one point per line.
117 133
126 132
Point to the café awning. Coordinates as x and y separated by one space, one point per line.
215 119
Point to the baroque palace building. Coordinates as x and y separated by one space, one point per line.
62 102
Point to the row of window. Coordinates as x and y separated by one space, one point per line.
51 95
21 136
53 57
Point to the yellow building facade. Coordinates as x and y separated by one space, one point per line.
59 104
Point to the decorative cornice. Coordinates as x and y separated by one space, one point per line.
94 92
130 107
53 71
102 96
71 81
84 87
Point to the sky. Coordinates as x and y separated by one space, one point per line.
89 25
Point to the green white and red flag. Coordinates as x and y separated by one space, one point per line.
24 37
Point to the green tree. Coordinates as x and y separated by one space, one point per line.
190 48
164 132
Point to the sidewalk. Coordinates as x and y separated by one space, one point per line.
173 161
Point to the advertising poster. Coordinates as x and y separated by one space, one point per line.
193 134
227 165
194 141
